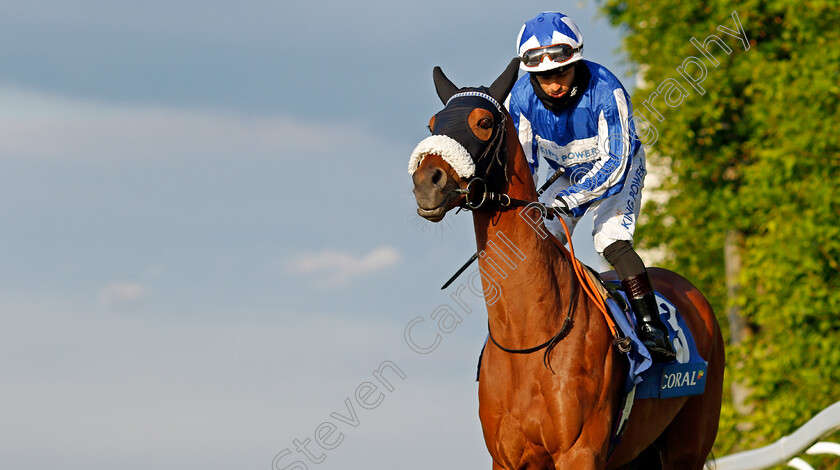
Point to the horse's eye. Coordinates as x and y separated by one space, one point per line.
485 123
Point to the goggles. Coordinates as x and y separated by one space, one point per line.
556 53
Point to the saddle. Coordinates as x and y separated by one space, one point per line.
684 376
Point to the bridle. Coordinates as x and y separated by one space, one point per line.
477 195
493 158
477 190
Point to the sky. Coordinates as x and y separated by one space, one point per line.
210 252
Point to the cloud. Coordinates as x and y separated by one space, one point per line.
339 268
52 128
122 294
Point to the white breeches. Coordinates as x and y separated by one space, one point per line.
614 218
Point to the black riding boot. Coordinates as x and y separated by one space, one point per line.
652 332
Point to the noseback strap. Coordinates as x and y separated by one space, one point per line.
476 93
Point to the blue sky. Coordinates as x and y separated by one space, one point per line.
209 240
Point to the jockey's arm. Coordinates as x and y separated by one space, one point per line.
606 176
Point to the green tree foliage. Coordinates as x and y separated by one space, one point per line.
759 153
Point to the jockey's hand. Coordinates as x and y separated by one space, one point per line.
560 206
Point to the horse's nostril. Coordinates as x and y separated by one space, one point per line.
437 176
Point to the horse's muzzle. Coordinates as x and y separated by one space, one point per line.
434 191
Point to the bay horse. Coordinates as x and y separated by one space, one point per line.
558 409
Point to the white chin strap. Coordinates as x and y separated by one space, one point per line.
447 148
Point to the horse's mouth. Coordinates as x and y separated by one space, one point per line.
436 214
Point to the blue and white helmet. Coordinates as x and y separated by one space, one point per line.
548 41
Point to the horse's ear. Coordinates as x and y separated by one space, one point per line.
445 88
502 86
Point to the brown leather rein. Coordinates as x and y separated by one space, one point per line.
476 194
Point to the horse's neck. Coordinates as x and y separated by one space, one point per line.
525 278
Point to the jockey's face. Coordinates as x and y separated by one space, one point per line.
557 85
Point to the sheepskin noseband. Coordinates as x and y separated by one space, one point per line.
449 149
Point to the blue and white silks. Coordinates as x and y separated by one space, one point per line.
595 140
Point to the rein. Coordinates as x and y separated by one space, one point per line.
501 198
564 330
471 194
576 269
477 194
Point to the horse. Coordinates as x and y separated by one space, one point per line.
559 410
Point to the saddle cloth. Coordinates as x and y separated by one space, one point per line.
682 377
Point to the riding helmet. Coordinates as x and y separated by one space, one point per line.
539 34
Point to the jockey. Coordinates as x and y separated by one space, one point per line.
576 115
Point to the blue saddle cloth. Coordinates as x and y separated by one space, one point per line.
682 377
